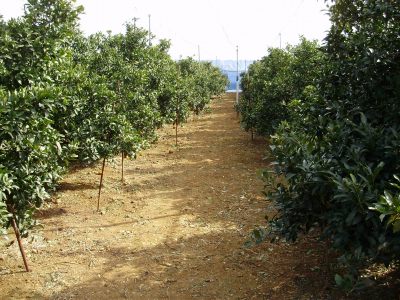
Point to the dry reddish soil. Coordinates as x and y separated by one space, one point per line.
174 229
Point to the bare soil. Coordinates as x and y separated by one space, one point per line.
175 228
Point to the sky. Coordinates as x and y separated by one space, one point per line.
211 28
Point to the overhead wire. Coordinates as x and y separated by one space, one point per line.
292 16
222 27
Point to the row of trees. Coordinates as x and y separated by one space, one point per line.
334 115
66 97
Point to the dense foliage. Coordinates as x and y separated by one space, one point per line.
337 145
68 97
273 82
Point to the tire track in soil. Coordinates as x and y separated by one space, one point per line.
174 229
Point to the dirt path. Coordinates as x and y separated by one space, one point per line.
175 229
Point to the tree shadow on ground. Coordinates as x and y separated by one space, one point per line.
68 186
47 213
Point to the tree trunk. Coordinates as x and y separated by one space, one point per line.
122 168
101 184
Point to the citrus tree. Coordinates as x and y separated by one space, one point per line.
338 146
69 98
273 82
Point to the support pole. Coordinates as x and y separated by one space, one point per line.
21 247
237 79
176 129
149 30
198 52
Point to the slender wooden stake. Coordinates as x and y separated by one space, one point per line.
101 184
122 171
21 247
176 132
252 131
176 125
